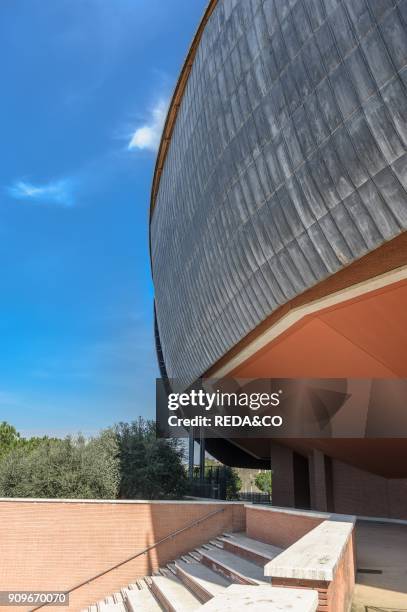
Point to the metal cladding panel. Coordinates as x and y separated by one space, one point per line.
288 161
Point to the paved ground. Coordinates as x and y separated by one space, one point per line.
381 547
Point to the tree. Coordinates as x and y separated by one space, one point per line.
9 438
263 481
150 468
233 482
127 461
69 468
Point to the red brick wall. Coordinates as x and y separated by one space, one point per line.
340 590
366 494
278 528
54 545
335 596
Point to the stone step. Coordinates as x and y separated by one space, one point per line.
253 550
110 606
141 600
200 579
173 594
232 566
263 599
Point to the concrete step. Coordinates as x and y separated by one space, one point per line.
141 600
217 542
263 599
126 589
232 566
200 579
110 606
253 550
173 594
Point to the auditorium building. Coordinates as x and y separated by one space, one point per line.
278 226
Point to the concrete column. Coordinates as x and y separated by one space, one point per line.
281 459
201 456
191 451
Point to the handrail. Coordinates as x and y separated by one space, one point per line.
138 554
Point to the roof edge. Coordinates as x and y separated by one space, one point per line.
175 104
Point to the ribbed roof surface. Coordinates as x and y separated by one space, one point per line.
286 163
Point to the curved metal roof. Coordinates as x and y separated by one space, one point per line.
175 104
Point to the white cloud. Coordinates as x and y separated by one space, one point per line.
54 192
148 136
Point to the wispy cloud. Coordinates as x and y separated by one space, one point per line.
55 192
147 136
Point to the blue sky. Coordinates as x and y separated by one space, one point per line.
85 84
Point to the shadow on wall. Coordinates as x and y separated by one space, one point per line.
61 544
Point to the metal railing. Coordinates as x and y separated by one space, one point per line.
254 497
138 554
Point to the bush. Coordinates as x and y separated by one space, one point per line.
69 468
233 483
150 468
263 481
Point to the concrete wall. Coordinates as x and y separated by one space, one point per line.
54 545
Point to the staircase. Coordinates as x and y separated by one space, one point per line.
189 582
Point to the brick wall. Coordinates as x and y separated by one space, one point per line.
54 545
366 494
333 595
278 528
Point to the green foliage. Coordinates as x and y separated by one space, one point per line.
150 468
233 483
127 461
9 438
69 468
263 481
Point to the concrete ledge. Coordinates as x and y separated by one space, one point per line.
189 501
383 520
262 599
331 516
316 556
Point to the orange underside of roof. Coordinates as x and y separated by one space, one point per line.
364 337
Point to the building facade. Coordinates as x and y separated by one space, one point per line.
278 218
